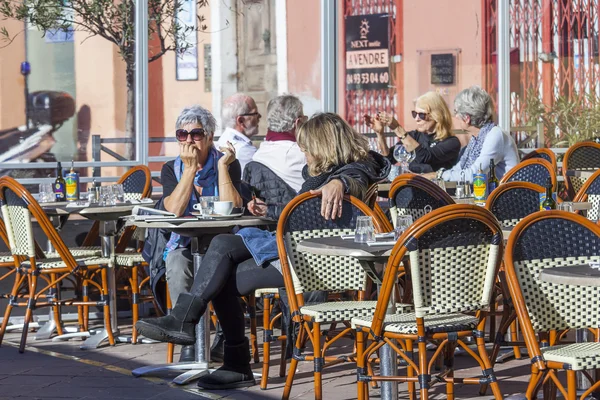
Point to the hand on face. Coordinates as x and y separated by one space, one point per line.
257 207
189 155
228 154
332 196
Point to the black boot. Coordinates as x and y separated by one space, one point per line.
177 327
218 346
235 372
188 353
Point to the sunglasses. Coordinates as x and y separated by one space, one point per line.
198 134
256 113
421 115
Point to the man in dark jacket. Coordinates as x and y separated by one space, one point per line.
275 172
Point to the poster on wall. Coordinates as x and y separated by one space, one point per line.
367 53
186 62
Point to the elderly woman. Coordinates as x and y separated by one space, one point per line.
199 170
474 113
433 143
338 163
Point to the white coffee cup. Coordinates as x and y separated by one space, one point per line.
223 207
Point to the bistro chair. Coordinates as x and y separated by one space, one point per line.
136 185
590 191
544 154
583 156
510 203
411 193
269 296
18 207
548 240
534 170
301 219
455 253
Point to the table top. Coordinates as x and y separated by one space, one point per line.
336 246
196 226
94 212
580 275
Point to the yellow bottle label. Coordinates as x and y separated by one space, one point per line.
72 187
479 187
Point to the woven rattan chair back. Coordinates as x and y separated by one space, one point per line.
583 156
411 193
301 220
544 154
535 170
137 184
552 239
455 253
513 201
18 207
590 191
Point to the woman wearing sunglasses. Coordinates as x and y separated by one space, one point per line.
433 143
199 170
338 163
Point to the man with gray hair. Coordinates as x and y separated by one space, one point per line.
279 152
240 118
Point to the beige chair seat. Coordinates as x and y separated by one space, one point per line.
49 263
407 324
129 258
578 356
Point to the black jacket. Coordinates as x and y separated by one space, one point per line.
268 186
431 154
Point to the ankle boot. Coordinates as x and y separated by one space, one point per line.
188 353
177 327
235 372
218 346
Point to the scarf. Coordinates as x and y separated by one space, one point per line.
474 147
273 136
207 179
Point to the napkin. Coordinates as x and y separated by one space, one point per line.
382 243
78 204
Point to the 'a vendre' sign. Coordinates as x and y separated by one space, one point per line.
367 53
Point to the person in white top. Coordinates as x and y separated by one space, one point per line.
280 152
240 117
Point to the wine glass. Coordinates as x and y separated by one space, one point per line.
403 156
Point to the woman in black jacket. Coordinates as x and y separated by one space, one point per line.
432 143
338 163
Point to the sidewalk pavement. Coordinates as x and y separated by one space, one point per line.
60 370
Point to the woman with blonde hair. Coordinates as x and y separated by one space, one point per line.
338 163
432 143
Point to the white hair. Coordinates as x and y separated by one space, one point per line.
233 107
282 112
197 115
477 104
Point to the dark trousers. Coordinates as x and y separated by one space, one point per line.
227 272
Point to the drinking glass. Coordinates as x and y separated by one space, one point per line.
46 194
403 156
440 182
119 192
403 222
365 232
207 204
566 206
107 196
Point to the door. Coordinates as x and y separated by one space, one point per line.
257 53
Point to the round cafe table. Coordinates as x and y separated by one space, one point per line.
195 228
